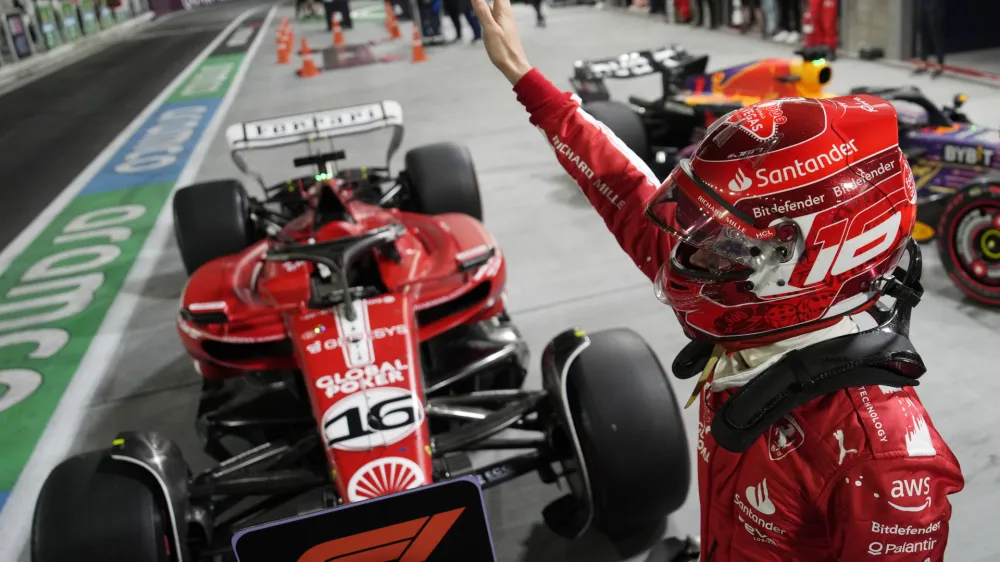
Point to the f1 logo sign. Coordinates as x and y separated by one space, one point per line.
412 541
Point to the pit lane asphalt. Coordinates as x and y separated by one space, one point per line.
53 127
564 268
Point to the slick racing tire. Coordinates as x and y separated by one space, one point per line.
211 220
623 122
443 179
630 430
93 508
968 239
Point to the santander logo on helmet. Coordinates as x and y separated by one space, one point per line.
741 182
793 205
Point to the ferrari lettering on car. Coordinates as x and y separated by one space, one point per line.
802 168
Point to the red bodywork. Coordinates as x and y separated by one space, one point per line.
363 377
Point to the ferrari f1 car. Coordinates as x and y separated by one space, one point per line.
956 166
658 130
352 335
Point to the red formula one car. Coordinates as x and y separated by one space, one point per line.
353 338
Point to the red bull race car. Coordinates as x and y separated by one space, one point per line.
352 334
659 130
956 166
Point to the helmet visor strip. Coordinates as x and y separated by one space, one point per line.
688 210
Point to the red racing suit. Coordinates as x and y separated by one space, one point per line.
851 476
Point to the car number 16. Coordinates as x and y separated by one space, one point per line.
372 418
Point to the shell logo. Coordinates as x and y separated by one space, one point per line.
384 476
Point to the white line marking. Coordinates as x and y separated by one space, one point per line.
60 433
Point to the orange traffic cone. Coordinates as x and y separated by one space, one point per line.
418 46
283 54
389 13
308 69
338 34
391 24
305 48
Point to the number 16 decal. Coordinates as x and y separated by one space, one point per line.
367 419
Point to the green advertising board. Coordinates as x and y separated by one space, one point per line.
123 12
47 23
107 18
70 24
89 15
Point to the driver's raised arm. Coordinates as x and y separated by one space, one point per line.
614 179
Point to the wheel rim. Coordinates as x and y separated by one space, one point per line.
976 244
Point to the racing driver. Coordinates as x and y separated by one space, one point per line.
779 228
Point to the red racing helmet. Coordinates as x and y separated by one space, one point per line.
785 217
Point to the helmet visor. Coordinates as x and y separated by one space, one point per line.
692 212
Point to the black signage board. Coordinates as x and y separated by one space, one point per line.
441 522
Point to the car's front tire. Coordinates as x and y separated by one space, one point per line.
630 430
93 508
211 220
442 179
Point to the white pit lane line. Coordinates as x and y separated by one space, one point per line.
60 433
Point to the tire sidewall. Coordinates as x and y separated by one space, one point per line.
964 202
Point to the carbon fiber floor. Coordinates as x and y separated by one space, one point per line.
565 269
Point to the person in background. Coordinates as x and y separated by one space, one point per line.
682 11
822 29
430 21
710 7
24 6
789 21
456 9
769 11
539 16
930 15
751 14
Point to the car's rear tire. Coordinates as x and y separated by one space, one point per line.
630 430
443 179
211 220
625 123
93 508
968 240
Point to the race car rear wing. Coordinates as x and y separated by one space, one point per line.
317 126
673 63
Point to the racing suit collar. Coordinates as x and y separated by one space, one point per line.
735 369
